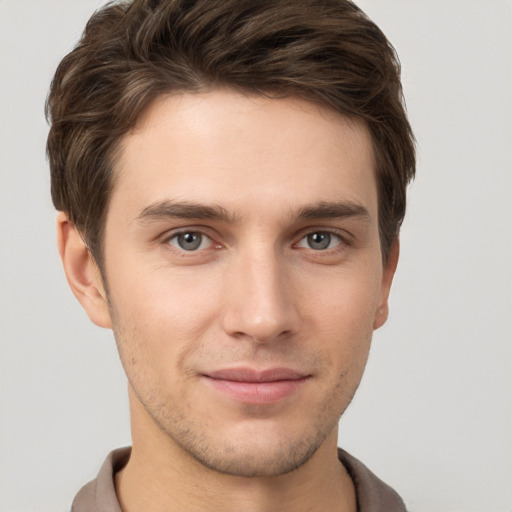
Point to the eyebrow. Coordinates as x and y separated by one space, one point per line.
169 209
183 210
334 210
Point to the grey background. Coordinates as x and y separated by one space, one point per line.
433 415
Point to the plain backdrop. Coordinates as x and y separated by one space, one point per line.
433 416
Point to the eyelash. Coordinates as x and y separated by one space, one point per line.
343 241
184 232
330 237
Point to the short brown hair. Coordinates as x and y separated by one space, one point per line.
132 52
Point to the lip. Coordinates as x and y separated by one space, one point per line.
251 386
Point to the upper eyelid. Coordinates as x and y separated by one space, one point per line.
341 233
189 254
342 240
344 235
171 233
185 231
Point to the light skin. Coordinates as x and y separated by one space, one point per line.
245 279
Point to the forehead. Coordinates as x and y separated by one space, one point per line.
237 150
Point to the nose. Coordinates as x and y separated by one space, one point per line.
260 303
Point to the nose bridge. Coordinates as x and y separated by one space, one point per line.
259 297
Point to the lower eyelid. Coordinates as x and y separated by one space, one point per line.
341 240
174 236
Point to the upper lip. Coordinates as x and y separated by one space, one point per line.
253 375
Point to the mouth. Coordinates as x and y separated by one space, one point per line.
251 386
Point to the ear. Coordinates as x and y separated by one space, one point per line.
82 272
381 315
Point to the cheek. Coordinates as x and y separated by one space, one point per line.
348 300
164 296
343 315
159 317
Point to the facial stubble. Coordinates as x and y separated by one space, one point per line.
247 455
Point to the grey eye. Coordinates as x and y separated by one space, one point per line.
189 241
319 241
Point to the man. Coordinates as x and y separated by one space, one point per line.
230 177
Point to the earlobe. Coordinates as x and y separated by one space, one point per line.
381 315
82 272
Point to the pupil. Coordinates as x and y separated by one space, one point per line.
190 241
319 241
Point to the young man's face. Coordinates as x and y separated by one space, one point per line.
244 275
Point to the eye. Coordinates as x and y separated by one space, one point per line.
320 241
190 241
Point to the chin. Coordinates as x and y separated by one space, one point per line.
253 462
254 452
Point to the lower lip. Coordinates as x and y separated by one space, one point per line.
257 392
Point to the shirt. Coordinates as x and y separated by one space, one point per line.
373 495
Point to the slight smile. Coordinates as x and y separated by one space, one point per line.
251 386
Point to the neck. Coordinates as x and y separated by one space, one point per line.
160 475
